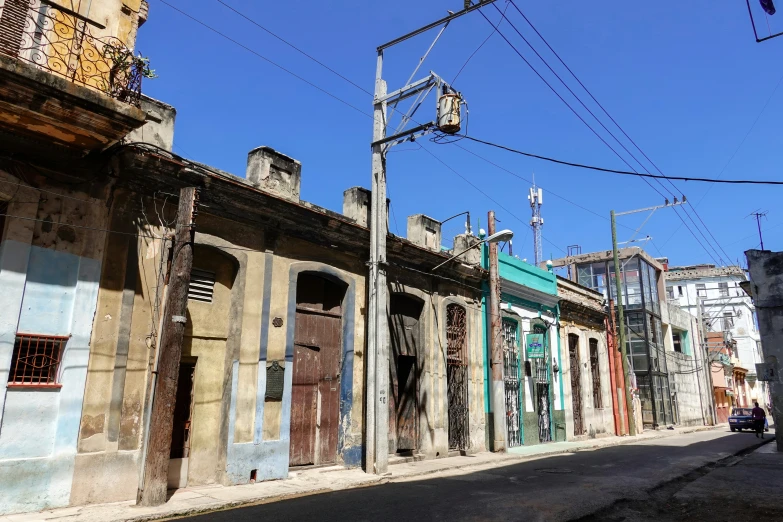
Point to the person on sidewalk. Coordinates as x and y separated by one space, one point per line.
759 416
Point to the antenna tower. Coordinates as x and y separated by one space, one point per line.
536 198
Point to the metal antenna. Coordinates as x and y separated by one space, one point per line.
758 223
536 196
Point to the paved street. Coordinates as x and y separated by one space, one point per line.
561 487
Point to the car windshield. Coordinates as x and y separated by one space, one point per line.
747 412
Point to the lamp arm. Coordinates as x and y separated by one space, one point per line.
457 255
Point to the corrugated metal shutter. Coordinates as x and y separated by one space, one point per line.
202 285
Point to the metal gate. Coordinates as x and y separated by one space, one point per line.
542 391
511 381
457 376
576 389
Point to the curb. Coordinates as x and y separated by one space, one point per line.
375 481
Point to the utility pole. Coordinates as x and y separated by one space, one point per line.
495 344
621 331
152 491
536 198
706 353
378 353
758 223
447 121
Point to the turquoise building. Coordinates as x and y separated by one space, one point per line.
534 405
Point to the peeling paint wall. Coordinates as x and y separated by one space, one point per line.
49 271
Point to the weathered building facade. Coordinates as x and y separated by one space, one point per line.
766 281
650 328
587 371
532 358
65 97
272 372
724 307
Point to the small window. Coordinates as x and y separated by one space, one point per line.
677 340
670 292
679 290
728 321
202 285
36 360
724 289
701 290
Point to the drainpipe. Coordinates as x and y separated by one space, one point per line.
495 346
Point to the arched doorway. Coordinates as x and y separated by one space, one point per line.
315 396
457 375
405 336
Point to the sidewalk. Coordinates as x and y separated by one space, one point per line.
191 501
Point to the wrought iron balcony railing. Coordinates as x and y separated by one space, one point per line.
59 40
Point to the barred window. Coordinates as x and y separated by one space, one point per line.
36 360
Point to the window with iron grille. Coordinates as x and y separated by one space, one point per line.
670 292
36 360
724 289
701 290
202 285
595 370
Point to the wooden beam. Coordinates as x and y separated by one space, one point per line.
152 491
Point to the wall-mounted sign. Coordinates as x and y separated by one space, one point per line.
534 346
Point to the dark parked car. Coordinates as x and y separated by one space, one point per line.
742 419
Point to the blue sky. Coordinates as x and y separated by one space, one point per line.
685 80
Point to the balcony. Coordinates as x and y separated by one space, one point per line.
60 83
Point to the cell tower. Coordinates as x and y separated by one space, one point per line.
536 197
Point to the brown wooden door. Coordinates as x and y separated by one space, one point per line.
315 398
576 388
404 314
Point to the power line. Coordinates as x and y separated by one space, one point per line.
593 115
259 55
731 158
292 46
494 30
614 171
484 193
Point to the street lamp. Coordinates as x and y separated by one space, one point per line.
497 237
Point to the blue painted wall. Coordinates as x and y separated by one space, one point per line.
39 428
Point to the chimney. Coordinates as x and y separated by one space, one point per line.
424 231
463 242
274 172
356 205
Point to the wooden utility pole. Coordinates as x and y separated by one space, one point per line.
495 344
152 491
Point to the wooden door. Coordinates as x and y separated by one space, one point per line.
576 388
315 398
405 336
